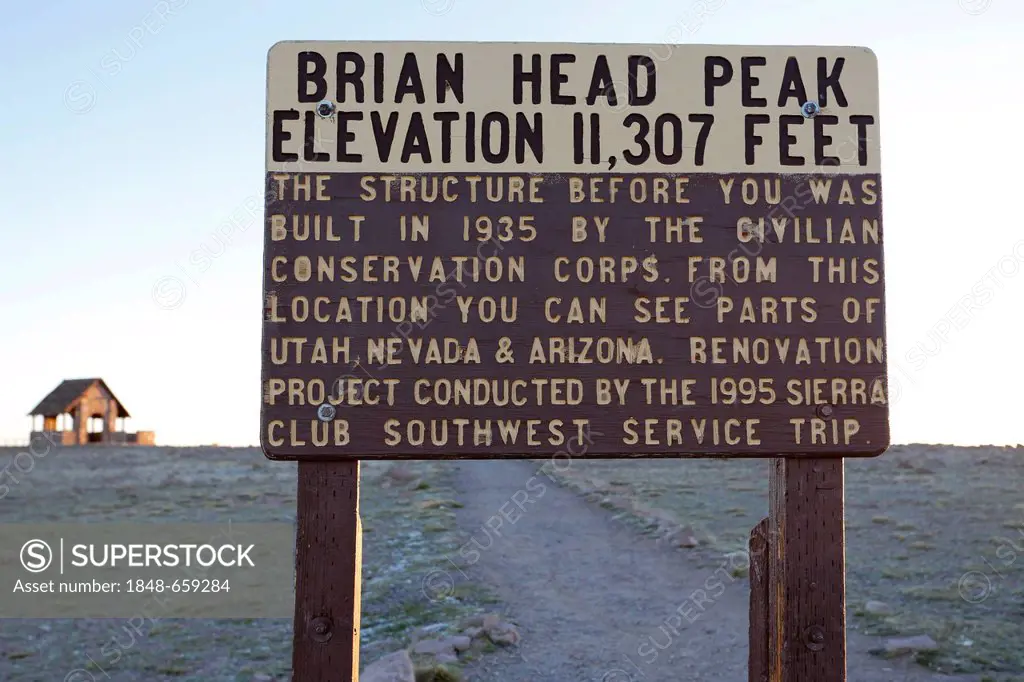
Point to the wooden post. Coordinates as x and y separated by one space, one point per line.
328 563
110 422
759 547
807 570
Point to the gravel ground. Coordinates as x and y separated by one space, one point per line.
401 548
935 532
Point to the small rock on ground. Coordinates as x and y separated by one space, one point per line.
687 538
503 634
426 630
433 647
395 667
906 645
878 608
401 474
460 642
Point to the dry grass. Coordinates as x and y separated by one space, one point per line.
409 530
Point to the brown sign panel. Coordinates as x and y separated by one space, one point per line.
507 250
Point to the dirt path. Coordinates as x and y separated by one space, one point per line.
596 602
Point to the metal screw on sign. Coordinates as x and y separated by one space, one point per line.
325 109
825 411
814 638
325 412
321 629
810 109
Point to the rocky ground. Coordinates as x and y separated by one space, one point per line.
496 572
408 523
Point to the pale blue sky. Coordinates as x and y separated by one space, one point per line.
122 160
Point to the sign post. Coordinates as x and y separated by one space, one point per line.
328 563
484 250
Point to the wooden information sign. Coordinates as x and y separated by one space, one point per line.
487 250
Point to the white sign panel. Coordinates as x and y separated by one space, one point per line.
551 108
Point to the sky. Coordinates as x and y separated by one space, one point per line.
132 134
